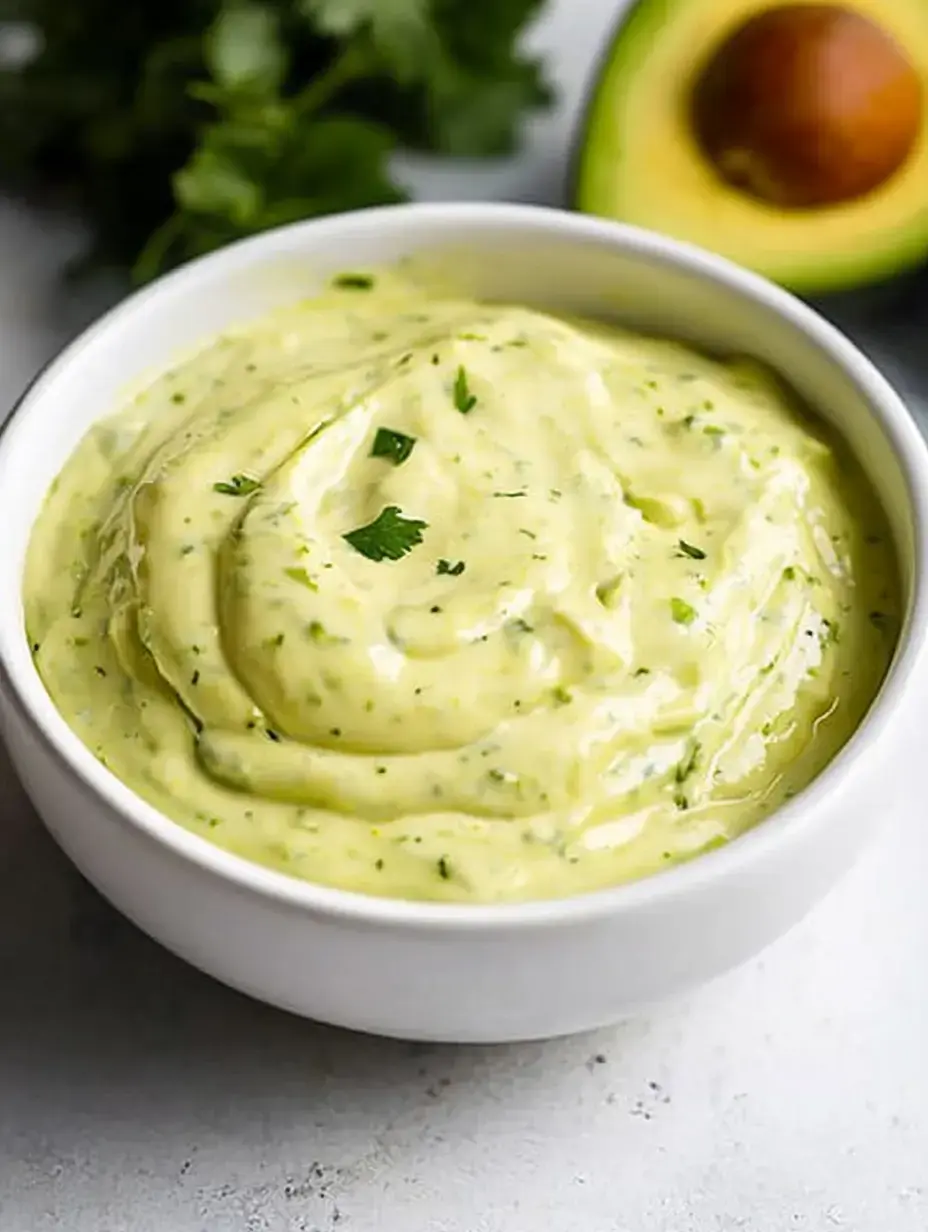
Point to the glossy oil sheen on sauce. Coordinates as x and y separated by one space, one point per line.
435 599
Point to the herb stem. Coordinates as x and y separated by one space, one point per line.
352 63
151 259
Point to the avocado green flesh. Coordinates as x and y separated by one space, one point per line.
636 159
628 601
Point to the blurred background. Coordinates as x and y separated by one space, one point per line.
788 137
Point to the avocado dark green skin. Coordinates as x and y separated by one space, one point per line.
894 294
588 102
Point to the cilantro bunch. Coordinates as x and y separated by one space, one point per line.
180 125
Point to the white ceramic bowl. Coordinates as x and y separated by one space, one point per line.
432 971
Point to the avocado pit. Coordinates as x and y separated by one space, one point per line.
806 106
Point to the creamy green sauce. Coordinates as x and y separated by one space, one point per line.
436 599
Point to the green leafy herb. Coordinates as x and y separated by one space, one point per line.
464 400
389 537
392 445
687 549
444 868
682 612
445 566
353 282
238 485
175 128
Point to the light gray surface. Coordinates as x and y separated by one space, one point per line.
138 1096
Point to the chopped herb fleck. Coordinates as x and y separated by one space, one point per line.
445 566
688 549
464 400
643 671
435 609
444 868
686 767
392 445
178 398
335 731
562 696
681 801
880 621
682 612
495 775
789 573
389 537
101 671
187 549
195 678
378 864
353 282
238 485
297 573
272 735
511 495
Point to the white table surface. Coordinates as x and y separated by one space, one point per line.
138 1096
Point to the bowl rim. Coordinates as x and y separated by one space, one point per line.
26 693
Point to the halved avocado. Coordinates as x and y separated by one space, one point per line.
666 139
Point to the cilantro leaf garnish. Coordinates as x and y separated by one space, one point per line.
445 566
392 445
682 612
238 485
687 549
203 123
389 537
464 400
